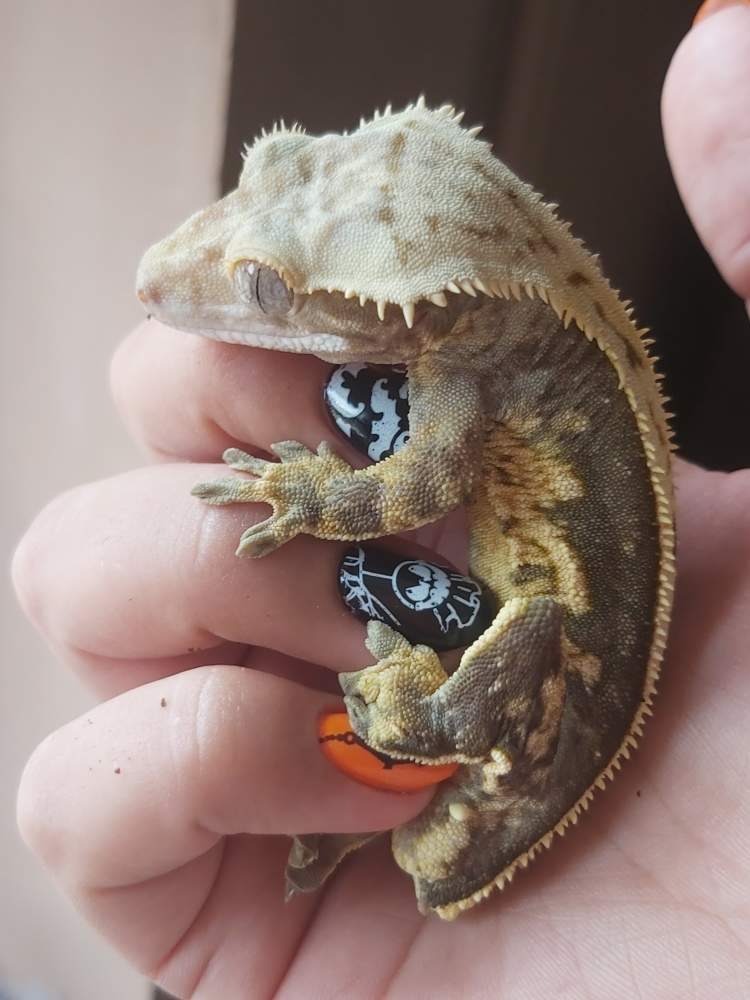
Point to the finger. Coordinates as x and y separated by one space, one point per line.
128 804
706 114
188 397
131 578
134 568
151 779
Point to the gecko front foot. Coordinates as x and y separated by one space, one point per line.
294 487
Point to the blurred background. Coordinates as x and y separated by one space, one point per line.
118 120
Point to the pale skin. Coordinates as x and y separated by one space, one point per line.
148 810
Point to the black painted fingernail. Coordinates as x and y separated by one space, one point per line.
429 604
370 405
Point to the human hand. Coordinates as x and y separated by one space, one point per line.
158 810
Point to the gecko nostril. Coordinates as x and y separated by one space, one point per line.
149 295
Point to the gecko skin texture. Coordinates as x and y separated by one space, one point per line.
533 402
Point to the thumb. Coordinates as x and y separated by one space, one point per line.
706 119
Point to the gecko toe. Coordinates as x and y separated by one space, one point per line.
243 462
291 451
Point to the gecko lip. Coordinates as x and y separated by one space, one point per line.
306 342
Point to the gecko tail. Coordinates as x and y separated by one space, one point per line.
485 822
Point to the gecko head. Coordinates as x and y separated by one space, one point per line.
355 246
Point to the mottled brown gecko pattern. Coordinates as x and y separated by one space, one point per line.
532 400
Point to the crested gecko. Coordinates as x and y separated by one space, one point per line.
532 401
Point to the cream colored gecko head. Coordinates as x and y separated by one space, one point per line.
338 245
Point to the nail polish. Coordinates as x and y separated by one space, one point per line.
427 603
346 751
370 405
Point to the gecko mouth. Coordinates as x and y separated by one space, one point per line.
306 342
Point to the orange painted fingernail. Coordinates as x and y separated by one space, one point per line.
713 6
341 745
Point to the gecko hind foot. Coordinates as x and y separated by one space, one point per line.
406 705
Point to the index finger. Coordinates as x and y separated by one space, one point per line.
134 806
706 117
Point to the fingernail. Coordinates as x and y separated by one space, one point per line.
370 405
710 7
429 604
346 751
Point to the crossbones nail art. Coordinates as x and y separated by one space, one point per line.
427 603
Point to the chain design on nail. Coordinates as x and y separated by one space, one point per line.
351 739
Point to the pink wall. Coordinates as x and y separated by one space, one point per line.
112 131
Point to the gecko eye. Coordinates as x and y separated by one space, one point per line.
259 285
